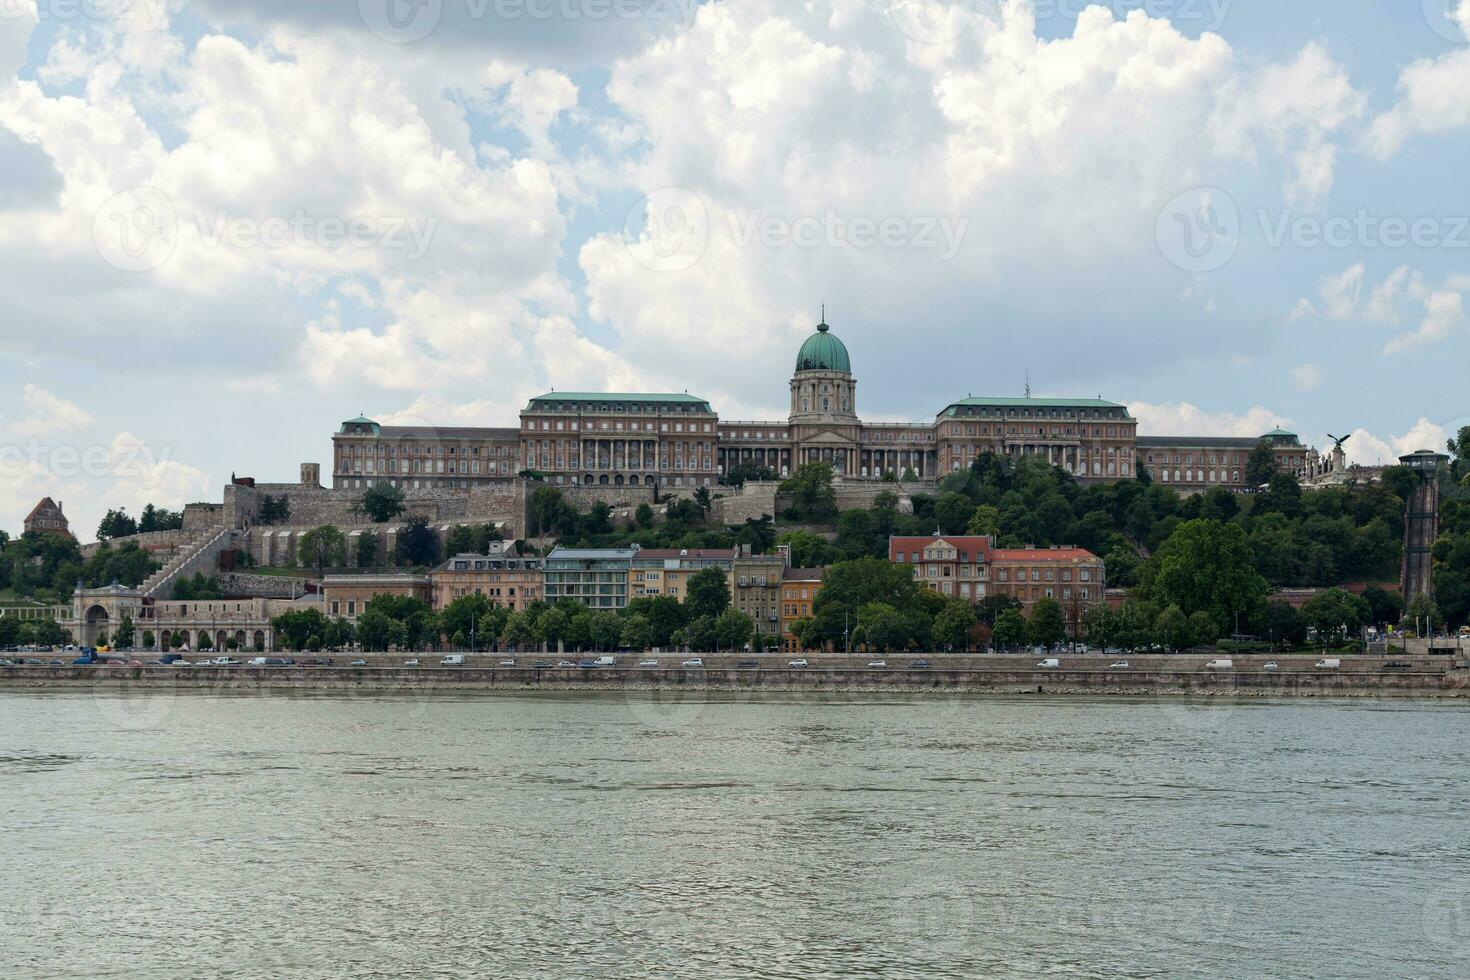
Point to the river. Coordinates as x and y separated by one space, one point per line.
175 835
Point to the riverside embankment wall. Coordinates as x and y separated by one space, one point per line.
830 680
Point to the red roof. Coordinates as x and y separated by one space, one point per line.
1042 554
966 545
46 502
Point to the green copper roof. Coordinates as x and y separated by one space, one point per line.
361 420
1278 432
632 398
823 352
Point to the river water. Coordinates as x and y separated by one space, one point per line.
547 836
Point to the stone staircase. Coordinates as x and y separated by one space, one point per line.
199 556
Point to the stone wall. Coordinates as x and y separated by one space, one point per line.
260 586
152 541
202 517
502 502
755 499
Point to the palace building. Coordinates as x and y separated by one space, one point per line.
679 440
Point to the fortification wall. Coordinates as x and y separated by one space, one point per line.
152 541
501 502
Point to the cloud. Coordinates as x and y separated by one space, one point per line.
1444 313
1178 418
31 179
1308 377
48 414
1367 449
1443 306
1429 93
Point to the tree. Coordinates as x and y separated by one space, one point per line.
1205 565
1385 606
1260 466
382 502
637 633
378 631
520 630
322 548
758 532
1336 612
707 593
985 520
813 497
1284 625
988 610
1101 626
953 511
1047 626
367 550
699 635
417 543
643 516
1010 629
1421 614
606 630
117 524
198 586
472 617
1171 629
159 519
702 499
149 641
733 630
123 636
953 625
882 627
273 510
294 629
809 550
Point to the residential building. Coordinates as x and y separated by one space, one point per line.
954 566
46 516
755 588
501 576
799 588
666 571
596 577
1075 577
347 595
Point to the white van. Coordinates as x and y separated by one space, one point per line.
1051 663
452 661
1331 663
1220 665
606 661
256 662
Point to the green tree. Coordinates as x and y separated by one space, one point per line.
1047 626
702 499
159 519
953 625
116 524
1205 566
643 516
733 629
1009 630
472 617
812 495
322 548
273 510
953 511
519 632
367 550
707 593
882 627
1336 613
1384 606
699 635
377 631
1420 615
988 610
382 502
1260 466
637 633
149 640
417 543
293 629
665 615
985 520
809 550
1171 629
606 630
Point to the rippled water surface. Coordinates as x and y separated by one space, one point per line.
551 837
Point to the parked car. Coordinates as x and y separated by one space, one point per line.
648 663
1120 665
226 662
7 663
878 664
358 663
1050 663
507 663
1220 665
920 665
607 661
1329 663
542 663
1271 665
748 665
693 662
798 664
565 664
453 660
257 662
411 663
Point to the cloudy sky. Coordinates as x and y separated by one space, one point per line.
228 225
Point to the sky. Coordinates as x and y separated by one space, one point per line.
226 226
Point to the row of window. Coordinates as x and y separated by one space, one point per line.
571 426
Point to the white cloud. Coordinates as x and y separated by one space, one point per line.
48 414
1308 377
1443 306
1340 294
1181 418
1444 313
1367 449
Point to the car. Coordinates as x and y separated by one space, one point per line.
257 662
648 663
411 663
693 662
920 665
1050 663
564 664
1271 665
7 663
1220 665
1398 665
877 664
607 661
541 664
1120 665
181 662
358 663
798 664
453 660
1329 663
507 663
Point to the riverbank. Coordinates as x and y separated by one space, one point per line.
1360 677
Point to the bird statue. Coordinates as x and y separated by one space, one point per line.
1337 442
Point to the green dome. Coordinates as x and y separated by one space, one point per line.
823 352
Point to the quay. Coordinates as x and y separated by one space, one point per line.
1293 676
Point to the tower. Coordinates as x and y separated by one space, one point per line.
1421 524
824 422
